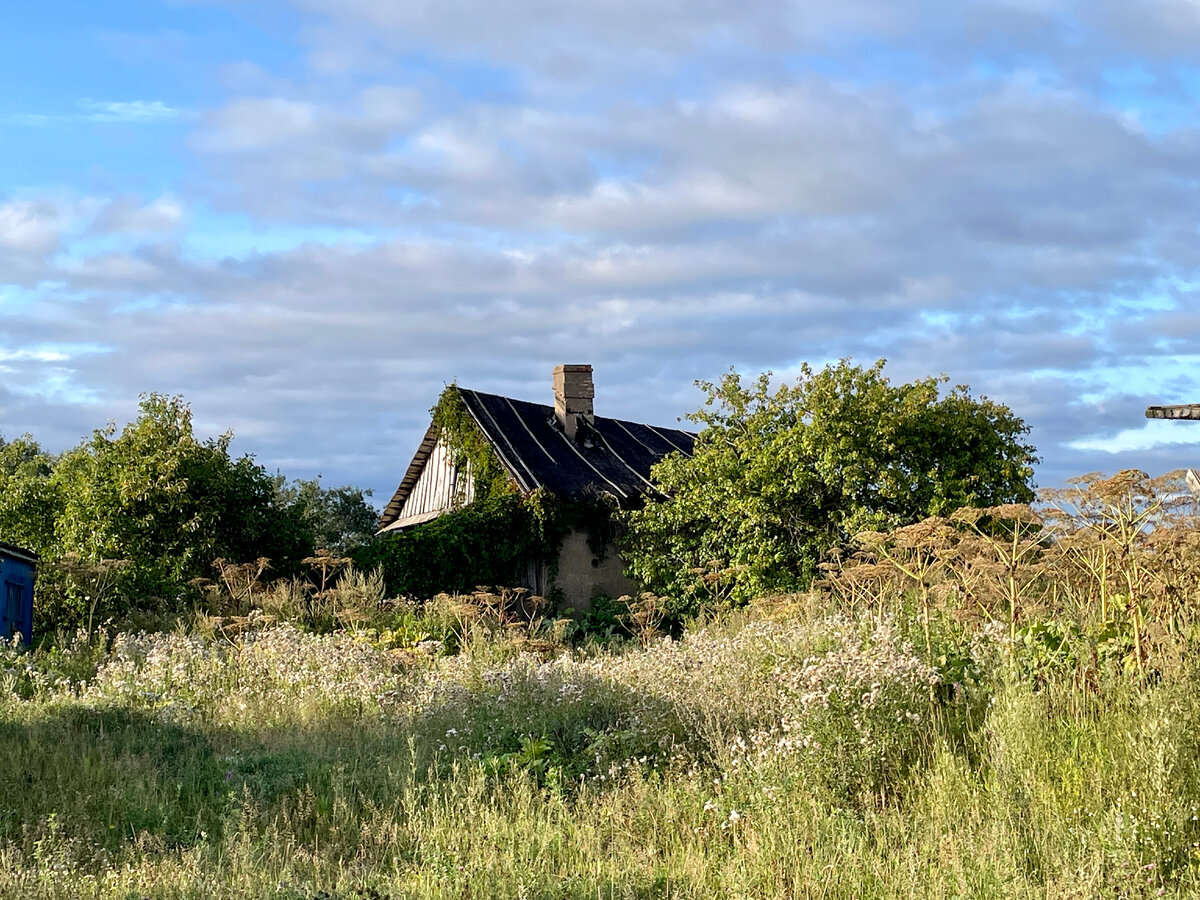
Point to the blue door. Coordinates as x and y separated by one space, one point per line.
12 609
16 597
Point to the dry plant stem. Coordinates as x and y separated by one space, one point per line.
643 616
1013 552
1092 559
1131 527
1122 513
324 566
240 581
97 577
915 552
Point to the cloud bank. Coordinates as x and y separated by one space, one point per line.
1005 192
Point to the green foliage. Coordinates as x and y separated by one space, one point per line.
340 518
489 542
30 502
468 448
171 504
603 617
780 477
151 494
493 541
1049 647
534 756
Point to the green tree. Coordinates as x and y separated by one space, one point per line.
780 477
341 519
171 504
30 502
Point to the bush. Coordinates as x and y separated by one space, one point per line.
779 478
151 498
489 542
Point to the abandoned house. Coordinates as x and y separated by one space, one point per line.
17 570
563 449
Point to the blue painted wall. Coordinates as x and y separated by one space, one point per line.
17 568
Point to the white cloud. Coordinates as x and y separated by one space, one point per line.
1152 435
32 354
128 111
659 187
128 215
255 124
30 227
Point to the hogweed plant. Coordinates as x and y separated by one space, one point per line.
918 552
1001 703
93 582
1013 536
1115 529
643 616
1111 557
240 581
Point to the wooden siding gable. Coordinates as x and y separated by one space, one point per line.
437 486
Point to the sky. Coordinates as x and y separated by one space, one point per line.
307 216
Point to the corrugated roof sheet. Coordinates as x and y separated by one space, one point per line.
612 457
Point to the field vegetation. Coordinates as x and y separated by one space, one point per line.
999 702
133 523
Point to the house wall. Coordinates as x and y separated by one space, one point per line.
581 575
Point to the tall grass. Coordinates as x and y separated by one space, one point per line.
193 767
903 734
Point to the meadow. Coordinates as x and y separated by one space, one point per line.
1002 703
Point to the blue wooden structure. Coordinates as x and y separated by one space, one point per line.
17 571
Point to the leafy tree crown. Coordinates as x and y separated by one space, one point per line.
781 475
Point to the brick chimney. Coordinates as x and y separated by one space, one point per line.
573 395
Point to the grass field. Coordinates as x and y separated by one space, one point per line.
784 752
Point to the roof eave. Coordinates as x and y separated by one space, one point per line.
19 553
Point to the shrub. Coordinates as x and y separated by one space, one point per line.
779 477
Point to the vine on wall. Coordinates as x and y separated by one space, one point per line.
468 448
493 540
488 542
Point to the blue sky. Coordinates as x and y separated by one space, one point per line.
306 216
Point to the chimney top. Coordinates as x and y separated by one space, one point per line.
573 395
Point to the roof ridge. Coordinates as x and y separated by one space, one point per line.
550 407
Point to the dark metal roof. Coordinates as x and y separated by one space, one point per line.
612 456
16 552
